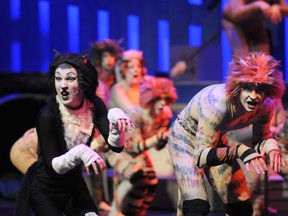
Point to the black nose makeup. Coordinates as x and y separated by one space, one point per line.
64 88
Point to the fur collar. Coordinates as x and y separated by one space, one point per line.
77 124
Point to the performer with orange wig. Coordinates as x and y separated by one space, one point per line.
197 141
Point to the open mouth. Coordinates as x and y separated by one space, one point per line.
65 95
252 104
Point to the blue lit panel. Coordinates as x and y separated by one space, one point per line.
195 35
226 54
73 28
133 32
103 25
15 12
15 58
44 28
195 2
163 46
226 49
286 48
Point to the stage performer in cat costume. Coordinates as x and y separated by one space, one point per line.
134 164
54 185
197 142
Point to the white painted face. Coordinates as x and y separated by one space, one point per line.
162 106
67 86
134 71
251 96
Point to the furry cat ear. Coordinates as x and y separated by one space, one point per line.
84 54
56 53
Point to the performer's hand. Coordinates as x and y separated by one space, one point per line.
119 123
264 7
259 165
162 139
119 120
276 160
98 166
275 14
91 159
122 125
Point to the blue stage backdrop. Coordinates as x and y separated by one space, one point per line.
31 29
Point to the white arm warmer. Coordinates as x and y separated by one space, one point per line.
73 157
116 137
268 145
271 144
245 153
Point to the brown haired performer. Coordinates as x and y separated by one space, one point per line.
104 55
197 141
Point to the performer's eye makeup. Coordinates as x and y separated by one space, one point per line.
71 78
58 78
247 87
259 89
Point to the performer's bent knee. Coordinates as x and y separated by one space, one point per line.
239 209
196 207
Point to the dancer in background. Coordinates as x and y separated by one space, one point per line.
130 71
245 23
54 184
134 164
24 151
104 55
197 141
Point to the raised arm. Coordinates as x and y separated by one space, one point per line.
238 11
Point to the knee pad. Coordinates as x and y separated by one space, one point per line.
239 209
196 207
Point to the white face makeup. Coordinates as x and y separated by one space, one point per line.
162 105
159 105
134 70
251 96
67 87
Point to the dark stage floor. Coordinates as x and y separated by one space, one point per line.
7 207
